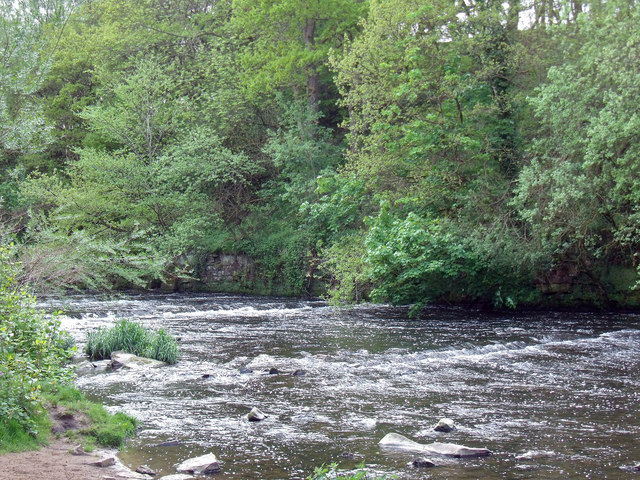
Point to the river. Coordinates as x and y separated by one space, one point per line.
553 395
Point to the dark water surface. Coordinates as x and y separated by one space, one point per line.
554 395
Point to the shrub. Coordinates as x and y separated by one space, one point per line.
33 351
133 338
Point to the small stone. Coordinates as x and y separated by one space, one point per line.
78 450
445 425
274 371
105 462
422 462
145 470
256 415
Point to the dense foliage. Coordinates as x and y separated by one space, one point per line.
392 150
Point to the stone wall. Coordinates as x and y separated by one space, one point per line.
222 268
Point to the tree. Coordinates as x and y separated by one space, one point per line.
432 134
154 178
578 192
286 42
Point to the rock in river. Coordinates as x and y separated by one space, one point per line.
256 415
200 465
445 425
396 441
121 359
422 462
144 469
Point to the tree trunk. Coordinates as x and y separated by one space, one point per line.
309 33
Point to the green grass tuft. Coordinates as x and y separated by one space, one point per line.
15 438
104 429
133 338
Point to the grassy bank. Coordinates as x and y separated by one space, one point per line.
67 412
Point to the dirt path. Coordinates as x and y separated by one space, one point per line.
55 462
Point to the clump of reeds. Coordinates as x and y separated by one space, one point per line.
132 337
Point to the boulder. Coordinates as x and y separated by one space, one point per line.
256 415
445 425
400 442
422 462
457 451
274 371
121 359
200 465
299 373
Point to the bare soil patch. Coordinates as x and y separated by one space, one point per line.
56 462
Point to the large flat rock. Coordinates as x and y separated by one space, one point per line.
121 359
400 442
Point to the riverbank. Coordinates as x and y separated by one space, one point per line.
57 462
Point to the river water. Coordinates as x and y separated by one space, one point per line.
553 395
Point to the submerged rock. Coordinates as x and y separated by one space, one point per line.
445 425
274 371
146 470
84 366
122 359
422 462
200 465
245 370
256 415
397 441
168 443
299 373
534 454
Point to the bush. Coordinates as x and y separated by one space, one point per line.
33 351
133 338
